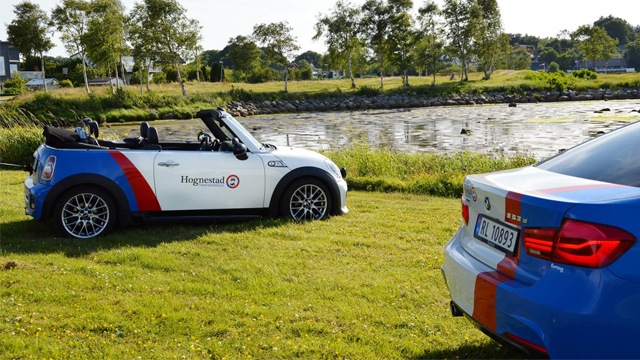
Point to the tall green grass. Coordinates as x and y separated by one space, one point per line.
418 173
18 143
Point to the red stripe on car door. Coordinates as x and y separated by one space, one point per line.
484 303
145 197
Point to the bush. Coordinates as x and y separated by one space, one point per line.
67 84
554 67
367 91
559 81
159 78
15 86
585 74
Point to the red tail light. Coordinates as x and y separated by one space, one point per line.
49 167
578 243
539 242
465 211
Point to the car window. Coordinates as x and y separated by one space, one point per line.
611 158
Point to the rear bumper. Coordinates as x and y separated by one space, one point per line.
571 312
507 341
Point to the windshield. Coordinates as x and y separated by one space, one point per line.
611 158
240 130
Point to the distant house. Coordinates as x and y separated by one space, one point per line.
538 65
9 61
611 65
36 84
104 81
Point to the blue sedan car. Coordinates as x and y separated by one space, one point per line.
547 258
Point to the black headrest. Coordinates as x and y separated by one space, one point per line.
152 136
144 128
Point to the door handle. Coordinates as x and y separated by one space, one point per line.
168 164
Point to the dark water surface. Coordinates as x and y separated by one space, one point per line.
538 129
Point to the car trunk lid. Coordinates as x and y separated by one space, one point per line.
527 197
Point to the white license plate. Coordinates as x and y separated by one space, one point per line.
497 234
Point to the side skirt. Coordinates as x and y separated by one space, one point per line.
198 215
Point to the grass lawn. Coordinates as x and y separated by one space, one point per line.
499 78
364 285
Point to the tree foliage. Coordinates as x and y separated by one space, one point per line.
491 43
461 27
595 43
341 30
29 32
376 24
279 44
172 36
245 55
430 44
71 18
402 37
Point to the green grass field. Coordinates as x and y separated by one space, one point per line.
364 285
500 78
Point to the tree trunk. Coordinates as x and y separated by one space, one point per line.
197 69
84 73
44 83
353 81
434 76
184 92
124 73
286 79
406 78
381 71
140 79
110 78
115 66
148 71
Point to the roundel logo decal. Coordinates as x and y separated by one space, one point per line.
233 181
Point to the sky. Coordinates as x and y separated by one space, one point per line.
222 20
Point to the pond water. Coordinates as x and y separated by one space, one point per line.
538 129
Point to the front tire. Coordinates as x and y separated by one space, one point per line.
306 199
84 212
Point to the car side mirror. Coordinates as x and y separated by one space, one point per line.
240 151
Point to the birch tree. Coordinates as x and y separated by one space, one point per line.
341 30
71 18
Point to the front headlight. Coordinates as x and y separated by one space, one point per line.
333 167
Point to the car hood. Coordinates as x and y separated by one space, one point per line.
295 157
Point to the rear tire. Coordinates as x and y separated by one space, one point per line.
84 212
306 199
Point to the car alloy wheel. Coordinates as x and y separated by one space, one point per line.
308 202
85 215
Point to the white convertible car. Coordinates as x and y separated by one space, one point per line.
86 185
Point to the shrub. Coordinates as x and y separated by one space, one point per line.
554 67
67 84
159 78
15 86
367 91
585 74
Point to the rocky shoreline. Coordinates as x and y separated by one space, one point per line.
395 101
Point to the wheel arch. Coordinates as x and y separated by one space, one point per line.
106 184
302 172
